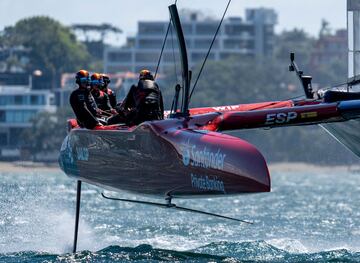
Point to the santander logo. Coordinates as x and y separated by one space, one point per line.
202 157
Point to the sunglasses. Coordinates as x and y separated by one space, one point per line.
97 82
84 80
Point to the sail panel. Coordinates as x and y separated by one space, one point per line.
353 24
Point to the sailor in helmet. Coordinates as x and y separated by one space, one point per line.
144 100
105 88
83 103
101 98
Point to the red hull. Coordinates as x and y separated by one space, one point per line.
162 158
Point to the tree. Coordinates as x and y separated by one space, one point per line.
53 48
47 131
296 40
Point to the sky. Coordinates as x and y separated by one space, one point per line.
306 14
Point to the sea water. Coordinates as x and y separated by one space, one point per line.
310 215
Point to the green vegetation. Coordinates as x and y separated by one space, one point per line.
47 132
53 48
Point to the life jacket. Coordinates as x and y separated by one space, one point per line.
148 101
147 93
102 100
112 97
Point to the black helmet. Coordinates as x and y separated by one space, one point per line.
105 78
146 74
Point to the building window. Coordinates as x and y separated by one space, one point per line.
37 100
3 139
18 100
239 44
151 29
115 69
52 100
205 43
147 57
227 55
34 100
6 100
19 116
2 116
171 43
196 57
232 44
206 29
28 116
15 136
171 57
119 56
239 30
150 43
187 29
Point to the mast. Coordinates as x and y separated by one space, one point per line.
183 56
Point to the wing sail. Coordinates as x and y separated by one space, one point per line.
353 17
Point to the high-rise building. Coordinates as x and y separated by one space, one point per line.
253 37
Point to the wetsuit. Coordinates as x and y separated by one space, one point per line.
84 107
112 97
145 102
102 100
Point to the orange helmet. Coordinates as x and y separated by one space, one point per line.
146 74
82 76
96 79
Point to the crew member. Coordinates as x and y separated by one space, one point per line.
83 103
144 100
101 98
105 88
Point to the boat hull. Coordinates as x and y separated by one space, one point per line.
153 160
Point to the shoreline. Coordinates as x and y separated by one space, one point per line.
25 166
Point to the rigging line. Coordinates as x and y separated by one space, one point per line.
208 53
162 48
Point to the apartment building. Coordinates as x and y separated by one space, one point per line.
252 36
19 103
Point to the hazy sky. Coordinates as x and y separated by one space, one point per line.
305 14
